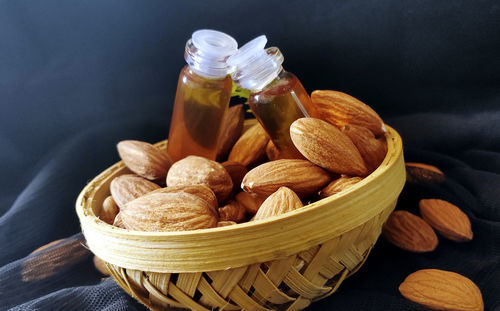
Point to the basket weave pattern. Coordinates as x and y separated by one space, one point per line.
291 283
280 263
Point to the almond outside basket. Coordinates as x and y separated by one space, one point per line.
280 263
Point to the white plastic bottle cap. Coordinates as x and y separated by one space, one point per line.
251 50
214 43
255 66
207 52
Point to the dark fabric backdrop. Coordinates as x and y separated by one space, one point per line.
78 76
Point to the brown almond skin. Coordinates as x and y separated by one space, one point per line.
231 129
232 211
225 223
423 173
301 176
282 201
409 232
250 147
109 210
158 212
338 185
201 191
442 290
194 170
447 219
237 171
41 248
144 159
339 109
372 150
128 187
326 146
250 201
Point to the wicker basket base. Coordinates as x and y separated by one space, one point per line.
291 283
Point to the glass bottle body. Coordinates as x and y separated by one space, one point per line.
281 102
199 107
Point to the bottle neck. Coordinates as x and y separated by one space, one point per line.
207 51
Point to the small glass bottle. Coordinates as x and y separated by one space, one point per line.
277 98
202 97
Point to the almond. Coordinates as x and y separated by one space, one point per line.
326 146
303 177
282 201
339 185
41 248
409 232
194 170
250 201
128 187
179 211
442 290
339 109
118 221
423 173
225 223
447 219
109 210
237 171
144 159
372 150
200 191
232 211
100 265
250 147
231 129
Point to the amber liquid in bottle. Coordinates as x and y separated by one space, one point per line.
276 107
200 105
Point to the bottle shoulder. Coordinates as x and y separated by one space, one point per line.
282 84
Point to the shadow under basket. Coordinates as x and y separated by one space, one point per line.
280 263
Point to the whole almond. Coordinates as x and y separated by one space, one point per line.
128 187
100 266
372 150
250 201
423 173
409 232
232 211
118 221
339 185
303 177
225 223
109 210
340 109
194 170
231 129
325 145
179 211
442 290
237 171
41 248
144 159
200 191
447 219
282 201
250 147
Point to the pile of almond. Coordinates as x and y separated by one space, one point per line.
250 180
433 288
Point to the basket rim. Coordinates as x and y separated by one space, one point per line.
90 222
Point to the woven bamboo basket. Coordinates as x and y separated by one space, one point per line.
280 263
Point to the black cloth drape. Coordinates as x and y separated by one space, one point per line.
77 77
